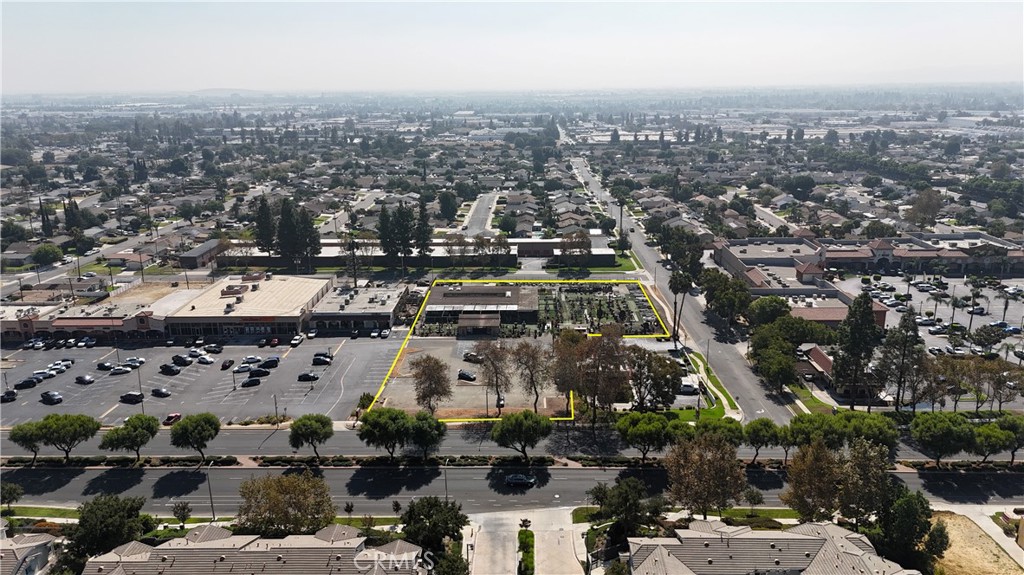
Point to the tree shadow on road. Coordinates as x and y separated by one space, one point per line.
571 440
476 433
178 483
42 481
381 483
973 488
654 478
114 481
496 479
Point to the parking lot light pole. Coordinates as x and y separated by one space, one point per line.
446 479
138 372
276 420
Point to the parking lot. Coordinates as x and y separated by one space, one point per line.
358 367
957 287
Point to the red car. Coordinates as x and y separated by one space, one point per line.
273 342
172 418
227 363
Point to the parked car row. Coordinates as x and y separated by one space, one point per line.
39 343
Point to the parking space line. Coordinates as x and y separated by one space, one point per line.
107 412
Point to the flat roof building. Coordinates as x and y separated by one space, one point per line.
481 309
233 306
344 309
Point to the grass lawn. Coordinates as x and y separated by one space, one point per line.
44 512
773 513
358 521
624 263
163 270
715 382
321 220
583 514
716 412
97 268
812 403
19 269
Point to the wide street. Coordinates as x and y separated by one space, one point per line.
567 440
478 489
730 366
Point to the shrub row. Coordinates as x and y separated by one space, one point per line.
526 564
384 461
122 461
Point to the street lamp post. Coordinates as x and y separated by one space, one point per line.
209 486
445 479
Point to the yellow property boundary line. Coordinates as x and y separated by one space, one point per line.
572 405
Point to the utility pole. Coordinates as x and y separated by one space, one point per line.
445 477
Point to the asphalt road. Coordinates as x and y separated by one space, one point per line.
480 217
478 489
730 366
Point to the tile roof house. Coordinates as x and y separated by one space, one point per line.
336 549
24 553
714 548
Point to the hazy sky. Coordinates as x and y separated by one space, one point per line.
142 46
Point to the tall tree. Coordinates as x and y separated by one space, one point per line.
431 381
289 239
520 431
532 362
865 480
704 474
309 238
403 231
133 435
602 379
900 354
654 378
495 364
567 358
278 505
311 429
813 482
858 337
679 282
266 226
424 232
449 205
386 234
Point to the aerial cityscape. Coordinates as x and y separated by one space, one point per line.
495 289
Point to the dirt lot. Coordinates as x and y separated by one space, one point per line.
972 551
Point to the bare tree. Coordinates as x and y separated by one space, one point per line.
532 361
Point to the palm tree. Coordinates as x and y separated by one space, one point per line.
938 298
1006 297
975 296
1007 348
956 303
678 282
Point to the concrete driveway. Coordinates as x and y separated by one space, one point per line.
496 543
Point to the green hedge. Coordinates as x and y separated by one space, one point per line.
122 461
526 564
